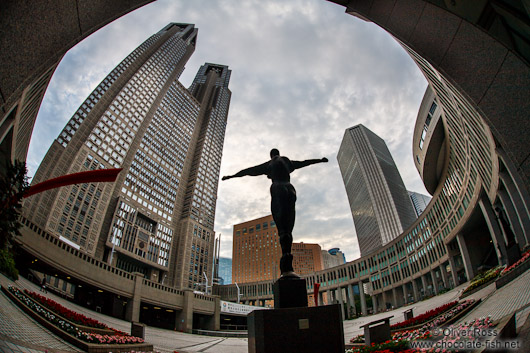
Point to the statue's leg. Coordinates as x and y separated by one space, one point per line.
283 212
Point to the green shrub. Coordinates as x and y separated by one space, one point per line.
7 264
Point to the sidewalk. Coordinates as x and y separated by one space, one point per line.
19 333
513 297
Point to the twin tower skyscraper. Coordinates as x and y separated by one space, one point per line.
158 217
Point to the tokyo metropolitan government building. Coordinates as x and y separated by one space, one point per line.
158 217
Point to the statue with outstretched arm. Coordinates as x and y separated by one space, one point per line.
283 199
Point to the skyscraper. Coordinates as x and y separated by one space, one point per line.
158 217
419 201
225 270
380 205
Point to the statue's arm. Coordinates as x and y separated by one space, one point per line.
252 171
301 164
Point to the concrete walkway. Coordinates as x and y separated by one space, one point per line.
512 298
18 330
19 333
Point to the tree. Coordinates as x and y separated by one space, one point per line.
13 185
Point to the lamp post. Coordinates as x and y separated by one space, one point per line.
112 251
206 286
238 293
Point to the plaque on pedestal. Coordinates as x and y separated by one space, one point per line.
314 329
290 292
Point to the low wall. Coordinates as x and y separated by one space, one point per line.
77 264
87 347
513 274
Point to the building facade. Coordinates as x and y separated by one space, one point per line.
256 252
477 219
225 270
419 202
490 89
31 52
332 257
307 258
157 218
380 205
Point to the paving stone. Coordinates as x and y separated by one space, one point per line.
18 327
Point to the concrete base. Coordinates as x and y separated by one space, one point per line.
513 254
408 314
315 329
138 330
290 292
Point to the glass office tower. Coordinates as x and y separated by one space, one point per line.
380 205
157 218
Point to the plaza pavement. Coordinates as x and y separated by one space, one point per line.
19 333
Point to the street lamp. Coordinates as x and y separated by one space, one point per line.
238 293
206 287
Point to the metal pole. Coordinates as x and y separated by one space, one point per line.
112 251
238 293
206 286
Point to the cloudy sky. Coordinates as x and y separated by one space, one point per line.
302 72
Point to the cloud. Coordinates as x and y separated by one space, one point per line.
302 72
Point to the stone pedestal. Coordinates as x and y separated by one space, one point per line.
315 329
290 292
138 329
377 331
408 314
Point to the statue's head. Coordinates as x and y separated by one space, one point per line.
274 152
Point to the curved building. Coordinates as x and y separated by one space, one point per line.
476 165
457 236
32 45
476 58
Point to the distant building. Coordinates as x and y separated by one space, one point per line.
419 201
256 252
225 270
307 258
379 202
333 257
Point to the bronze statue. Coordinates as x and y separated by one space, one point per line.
283 199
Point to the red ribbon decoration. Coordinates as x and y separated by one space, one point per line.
90 176
315 292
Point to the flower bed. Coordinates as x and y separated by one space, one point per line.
450 315
423 317
386 347
87 341
64 312
422 332
440 339
523 258
514 271
483 279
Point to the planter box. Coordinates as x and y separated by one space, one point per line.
513 274
451 320
474 290
89 329
448 322
85 346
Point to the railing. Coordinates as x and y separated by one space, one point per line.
154 291
149 283
55 241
